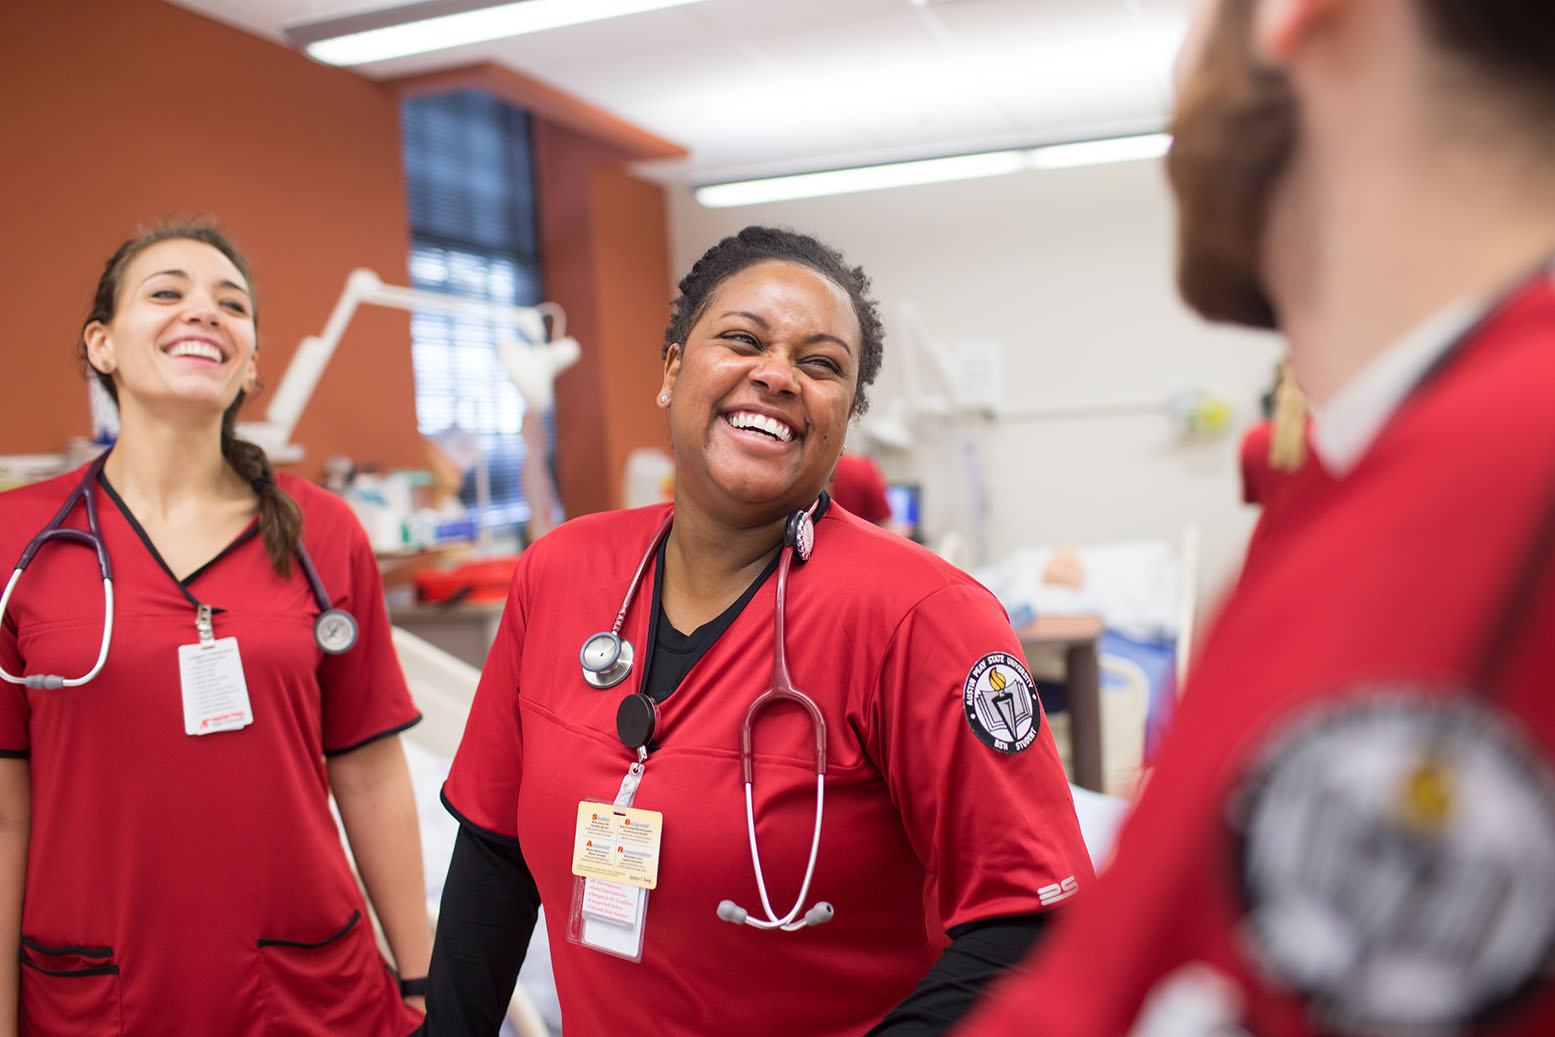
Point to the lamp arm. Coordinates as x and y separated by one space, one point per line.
364 287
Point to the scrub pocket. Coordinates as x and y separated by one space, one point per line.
69 991
335 983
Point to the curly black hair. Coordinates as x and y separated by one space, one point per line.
759 245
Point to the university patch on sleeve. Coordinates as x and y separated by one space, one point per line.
1397 852
1001 703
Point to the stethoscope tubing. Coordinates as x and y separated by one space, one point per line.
85 492
92 537
786 923
50 680
783 690
613 665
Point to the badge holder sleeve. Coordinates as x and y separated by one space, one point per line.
608 916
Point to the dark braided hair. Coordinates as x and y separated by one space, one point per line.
280 519
760 245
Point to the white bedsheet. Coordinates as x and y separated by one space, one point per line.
1135 586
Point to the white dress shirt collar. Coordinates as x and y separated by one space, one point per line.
1345 428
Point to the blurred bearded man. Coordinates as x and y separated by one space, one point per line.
1351 829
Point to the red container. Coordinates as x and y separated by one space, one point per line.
481 581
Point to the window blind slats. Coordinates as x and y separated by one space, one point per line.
470 188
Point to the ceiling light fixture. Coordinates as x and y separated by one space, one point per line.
932 171
417 28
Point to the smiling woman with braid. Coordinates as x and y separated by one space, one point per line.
168 860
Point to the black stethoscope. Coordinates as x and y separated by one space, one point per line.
334 630
607 660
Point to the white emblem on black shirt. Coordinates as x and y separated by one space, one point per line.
1001 704
1398 861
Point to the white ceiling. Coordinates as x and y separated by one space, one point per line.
756 87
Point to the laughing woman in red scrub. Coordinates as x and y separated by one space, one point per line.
948 834
168 860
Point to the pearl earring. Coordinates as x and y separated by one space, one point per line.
664 398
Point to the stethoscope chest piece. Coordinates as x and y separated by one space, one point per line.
335 631
606 659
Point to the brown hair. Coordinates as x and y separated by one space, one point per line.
1510 45
280 519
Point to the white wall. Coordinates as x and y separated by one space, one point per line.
1071 270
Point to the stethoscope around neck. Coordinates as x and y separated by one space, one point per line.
607 660
334 630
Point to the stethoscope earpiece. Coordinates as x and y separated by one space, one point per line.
820 914
606 659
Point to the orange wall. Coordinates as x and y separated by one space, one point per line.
605 247
631 264
118 113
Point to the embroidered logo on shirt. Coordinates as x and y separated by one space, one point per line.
1001 704
1397 856
1054 892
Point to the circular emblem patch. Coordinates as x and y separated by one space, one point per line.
1397 859
1001 704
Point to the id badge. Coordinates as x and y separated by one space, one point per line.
215 693
615 863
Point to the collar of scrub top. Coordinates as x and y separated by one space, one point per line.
1345 427
334 630
637 717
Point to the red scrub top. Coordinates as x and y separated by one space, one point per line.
1352 826
193 885
928 824
858 486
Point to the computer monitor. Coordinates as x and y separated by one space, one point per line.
904 498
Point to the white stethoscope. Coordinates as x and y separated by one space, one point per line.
334 630
607 659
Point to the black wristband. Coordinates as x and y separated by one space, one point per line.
413 987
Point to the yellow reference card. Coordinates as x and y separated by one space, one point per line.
617 844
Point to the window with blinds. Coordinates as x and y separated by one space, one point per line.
469 178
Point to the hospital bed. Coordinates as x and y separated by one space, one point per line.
443 688
1144 595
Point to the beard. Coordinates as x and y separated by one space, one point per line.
1233 135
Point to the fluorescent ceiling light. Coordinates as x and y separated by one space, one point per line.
1094 152
440 24
863 178
931 171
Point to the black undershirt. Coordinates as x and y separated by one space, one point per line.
674 653
490 901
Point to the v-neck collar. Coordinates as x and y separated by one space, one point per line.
680 652
183 584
